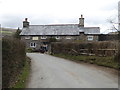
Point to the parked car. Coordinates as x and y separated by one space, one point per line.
41 50
38 50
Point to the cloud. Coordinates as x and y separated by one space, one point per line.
11 21
96 12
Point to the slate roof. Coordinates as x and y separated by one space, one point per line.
59 29
90 30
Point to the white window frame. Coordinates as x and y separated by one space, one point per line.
35 38
33 44
27 37
43 37
68 37
57 37
90 38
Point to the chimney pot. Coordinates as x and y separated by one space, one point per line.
26 19
81 16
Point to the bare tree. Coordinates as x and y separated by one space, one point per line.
114 23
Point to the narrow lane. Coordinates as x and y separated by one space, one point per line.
52 72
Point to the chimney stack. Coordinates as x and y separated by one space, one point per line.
25 23
81 21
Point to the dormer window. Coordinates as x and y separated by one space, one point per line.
43 37
57 37
68 37
27 37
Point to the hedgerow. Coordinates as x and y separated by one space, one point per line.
105 48
13 60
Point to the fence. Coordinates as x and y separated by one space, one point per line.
95 48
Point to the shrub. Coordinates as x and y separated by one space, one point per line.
29 49
13 60
92 48
117 57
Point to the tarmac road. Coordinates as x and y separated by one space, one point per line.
53 72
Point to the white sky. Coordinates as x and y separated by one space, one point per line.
95 12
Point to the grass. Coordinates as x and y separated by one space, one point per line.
102 61
7 32
24 76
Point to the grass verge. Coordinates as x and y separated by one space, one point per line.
21 83
102 61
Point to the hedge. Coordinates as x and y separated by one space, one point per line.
13 60
96 48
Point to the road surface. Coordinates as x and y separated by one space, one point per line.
52 72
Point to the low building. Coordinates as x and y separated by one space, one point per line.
37 36
108 37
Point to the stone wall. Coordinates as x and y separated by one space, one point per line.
39 42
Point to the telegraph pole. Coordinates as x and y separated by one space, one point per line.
0 57
0 32
118 45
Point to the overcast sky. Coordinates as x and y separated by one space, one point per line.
95 12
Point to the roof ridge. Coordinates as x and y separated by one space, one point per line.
54 25
91 27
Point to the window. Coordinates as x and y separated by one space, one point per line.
27 37
90 38
57 37
68 37
43 37
32 44
34 38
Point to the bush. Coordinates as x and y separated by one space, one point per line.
89 48
13 60
29 50
117 57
